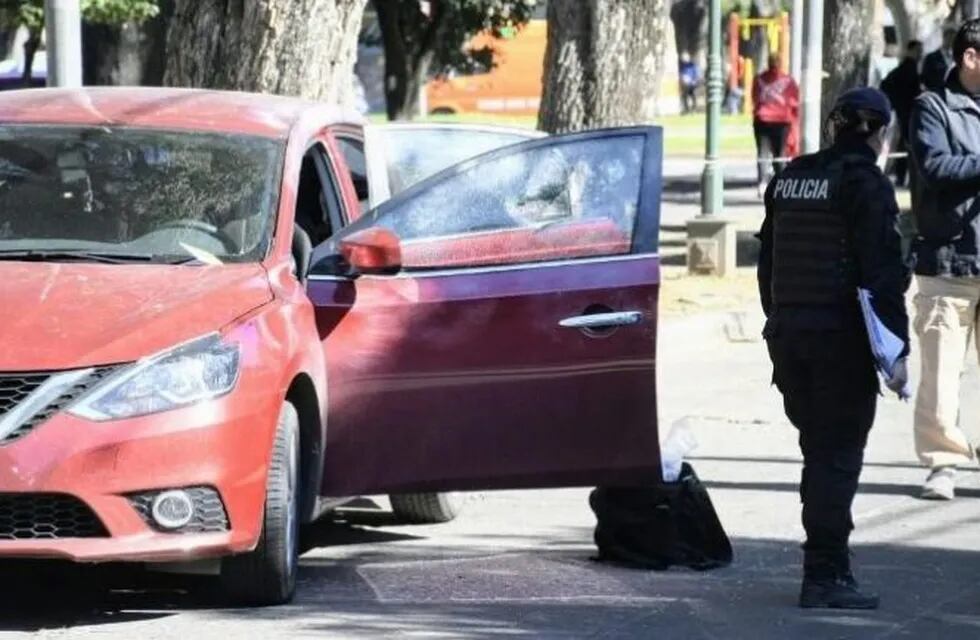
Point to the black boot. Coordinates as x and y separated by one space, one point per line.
839 591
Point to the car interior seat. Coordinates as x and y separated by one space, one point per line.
310 214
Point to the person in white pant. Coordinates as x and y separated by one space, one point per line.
945 148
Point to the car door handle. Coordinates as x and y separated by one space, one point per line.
603 320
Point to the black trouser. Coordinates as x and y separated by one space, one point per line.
689 99
770 142
901 166
830 392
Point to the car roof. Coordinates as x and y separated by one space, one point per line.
167 108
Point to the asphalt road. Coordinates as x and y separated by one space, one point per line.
517 564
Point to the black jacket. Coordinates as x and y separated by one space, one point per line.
902 86
868 199
934 68
945 146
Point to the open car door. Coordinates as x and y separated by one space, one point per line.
494 326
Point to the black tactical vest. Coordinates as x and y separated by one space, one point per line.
813 262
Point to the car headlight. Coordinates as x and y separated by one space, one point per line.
199 370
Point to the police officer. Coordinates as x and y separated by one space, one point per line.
830 228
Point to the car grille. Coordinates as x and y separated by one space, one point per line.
209 511
46 516
15 388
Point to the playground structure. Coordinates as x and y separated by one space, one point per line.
742 69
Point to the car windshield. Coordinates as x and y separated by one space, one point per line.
162 196
417 153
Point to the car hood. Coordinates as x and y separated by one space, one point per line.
61 316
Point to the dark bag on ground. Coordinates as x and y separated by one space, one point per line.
660 526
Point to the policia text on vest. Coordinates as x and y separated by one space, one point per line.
802 188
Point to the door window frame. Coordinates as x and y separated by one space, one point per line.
646 226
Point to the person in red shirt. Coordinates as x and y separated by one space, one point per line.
776 103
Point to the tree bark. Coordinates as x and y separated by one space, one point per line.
690 27
31 46
603 63
290 47
100 54
847 40
408 56
154 45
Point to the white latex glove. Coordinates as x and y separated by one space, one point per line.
900 378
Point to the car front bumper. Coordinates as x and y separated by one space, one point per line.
223 445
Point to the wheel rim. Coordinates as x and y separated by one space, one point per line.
292 515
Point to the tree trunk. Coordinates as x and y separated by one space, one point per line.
690 27
291 47
154 45
408 57
847 39
31 45
100 54
7 42
603 63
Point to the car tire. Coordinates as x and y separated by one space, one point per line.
266 576
427 508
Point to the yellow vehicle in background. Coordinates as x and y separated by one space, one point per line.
511 87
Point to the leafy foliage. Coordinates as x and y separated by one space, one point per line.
30 13
466 18
423 36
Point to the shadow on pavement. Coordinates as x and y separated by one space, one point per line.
347 526
558 593
540 586
884 489
797 461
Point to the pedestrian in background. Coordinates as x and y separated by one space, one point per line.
902 86
690 79
937 64
830 228
776 102
945 146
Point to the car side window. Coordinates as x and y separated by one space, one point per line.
353 151
552 201
317 205
415 153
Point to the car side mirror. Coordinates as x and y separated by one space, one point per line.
374 250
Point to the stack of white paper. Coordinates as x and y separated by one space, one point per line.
886 347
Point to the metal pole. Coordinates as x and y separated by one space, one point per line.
712 180
796 41
63 32
812 76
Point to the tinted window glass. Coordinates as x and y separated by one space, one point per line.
414 154
554 201
137 191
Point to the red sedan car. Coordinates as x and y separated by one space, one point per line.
204 342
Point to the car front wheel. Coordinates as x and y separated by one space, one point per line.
427 508
267 575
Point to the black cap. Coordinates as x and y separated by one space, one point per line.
865 99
